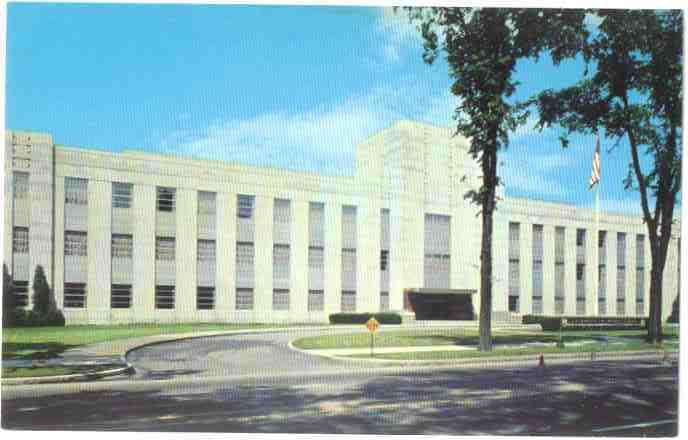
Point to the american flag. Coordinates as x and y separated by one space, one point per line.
595 177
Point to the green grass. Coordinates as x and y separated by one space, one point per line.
459 336
13 373
48 342
470 354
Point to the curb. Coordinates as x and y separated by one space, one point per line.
493 360
78 377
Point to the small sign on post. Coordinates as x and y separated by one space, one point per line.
372 325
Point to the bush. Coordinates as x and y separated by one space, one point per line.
550 323
44 313
8 300
362 318
30 318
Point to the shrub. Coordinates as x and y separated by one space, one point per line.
41 292
8 301
550 323
362 318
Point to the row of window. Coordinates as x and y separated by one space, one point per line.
75 295
559 291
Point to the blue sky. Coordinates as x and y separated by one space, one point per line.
293 87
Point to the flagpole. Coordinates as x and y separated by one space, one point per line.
597 238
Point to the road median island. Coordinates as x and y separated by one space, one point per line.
460 345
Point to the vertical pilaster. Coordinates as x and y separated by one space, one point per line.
591 271
548 268
631 272
299 260
143 289
41 195
368 226
570 262
225 256
526 264
333 255
263 245
8 202
612 272
99 237
58 276
500 266
185 254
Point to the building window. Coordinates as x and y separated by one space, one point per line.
122 245
245 206
244 299
244 264
316 224
206 250
206 203
164 297
280 264
384 301
165 199
120 296
559 270
76 243
316 257
75 295
121 195
437 258
514 283
384 257
164 248
513 304
280 299
21 293
640 275
76 191
21 185
580 237
316 300
621 274
580 272
281 220
205 298
20 240
537 275
348 301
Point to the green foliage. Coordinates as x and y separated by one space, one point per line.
482 47
42 297
8 300
635 92
362 318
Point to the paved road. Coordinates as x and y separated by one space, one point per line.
255 383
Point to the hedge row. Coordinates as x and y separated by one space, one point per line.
587 322
362 318
31 318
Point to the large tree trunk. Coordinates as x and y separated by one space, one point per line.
489 168
654 325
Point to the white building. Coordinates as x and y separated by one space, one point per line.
137 237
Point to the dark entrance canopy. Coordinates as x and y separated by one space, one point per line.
441 304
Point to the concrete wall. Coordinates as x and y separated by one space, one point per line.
410 169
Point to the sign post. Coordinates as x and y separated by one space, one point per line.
372 325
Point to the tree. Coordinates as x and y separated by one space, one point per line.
8 299
482 46
635 93
42 298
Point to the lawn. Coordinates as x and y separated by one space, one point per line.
13 373
48 342
463 336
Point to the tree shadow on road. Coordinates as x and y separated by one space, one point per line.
567 400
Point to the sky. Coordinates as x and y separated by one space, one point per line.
288 86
